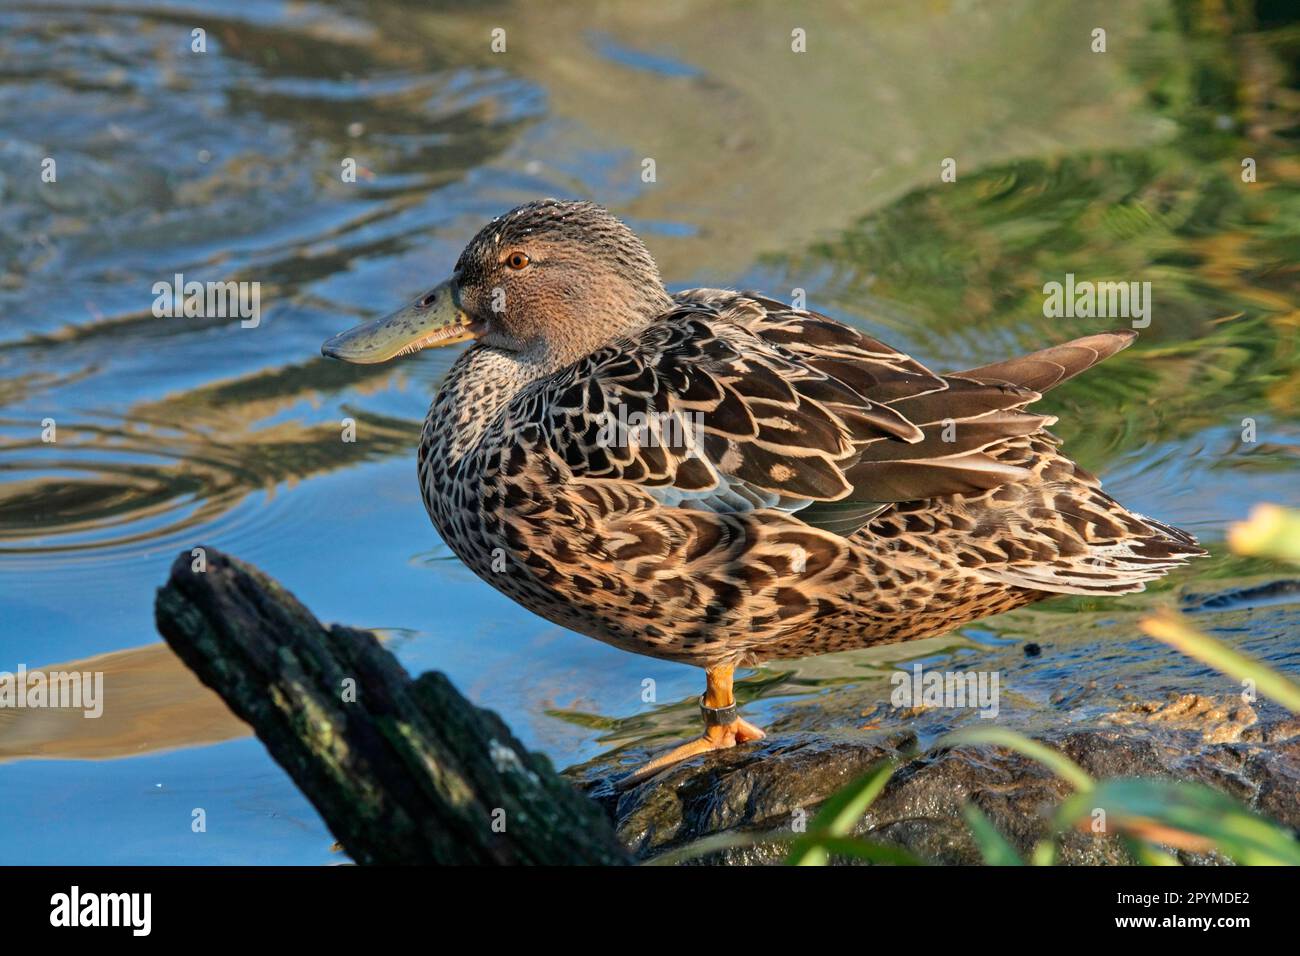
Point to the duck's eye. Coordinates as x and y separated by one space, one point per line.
517 260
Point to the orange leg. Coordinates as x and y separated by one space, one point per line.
718 696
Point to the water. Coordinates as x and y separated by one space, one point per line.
774 170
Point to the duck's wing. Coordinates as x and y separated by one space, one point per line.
744 403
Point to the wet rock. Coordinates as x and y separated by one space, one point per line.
769 786
1118 704
764 786
1218 721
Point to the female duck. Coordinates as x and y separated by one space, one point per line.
716 478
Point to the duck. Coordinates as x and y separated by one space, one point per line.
718 478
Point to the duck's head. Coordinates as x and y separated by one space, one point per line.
550 280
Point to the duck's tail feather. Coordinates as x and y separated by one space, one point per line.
1050 367
1104 561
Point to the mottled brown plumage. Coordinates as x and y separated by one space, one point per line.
717 478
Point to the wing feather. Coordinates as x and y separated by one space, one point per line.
736 402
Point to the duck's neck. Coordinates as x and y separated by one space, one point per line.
481 383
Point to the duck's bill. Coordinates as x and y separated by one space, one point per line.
433 320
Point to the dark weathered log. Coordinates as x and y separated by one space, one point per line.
402 770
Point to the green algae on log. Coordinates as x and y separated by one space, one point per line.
402 770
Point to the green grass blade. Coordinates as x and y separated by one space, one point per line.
841 813
1149 855
993 846
1186 816
720 841
1173 629
852 848
1057 762
843 809
1269 532
1044 854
